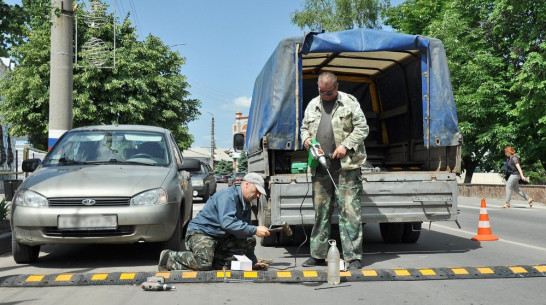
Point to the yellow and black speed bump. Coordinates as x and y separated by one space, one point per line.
273 276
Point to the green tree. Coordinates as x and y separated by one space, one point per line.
146 86
414 16
496 53
12 18
336 15
223 168
242 163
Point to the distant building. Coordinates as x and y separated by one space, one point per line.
203 154
240 123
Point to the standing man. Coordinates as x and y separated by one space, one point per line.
220 230
336 121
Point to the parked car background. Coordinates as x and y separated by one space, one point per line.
103 184
236 179
202 179
221 178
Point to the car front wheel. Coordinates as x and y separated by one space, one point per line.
206 194
23 254
175 242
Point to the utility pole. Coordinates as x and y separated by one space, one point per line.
61 76
212 146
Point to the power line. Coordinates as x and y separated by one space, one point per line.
136 17
121 9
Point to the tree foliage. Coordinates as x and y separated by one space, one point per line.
336 15
145 87
242 163
496 52
223 168
12 18
414 16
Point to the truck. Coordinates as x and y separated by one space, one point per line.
403 85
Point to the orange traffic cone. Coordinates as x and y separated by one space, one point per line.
484 228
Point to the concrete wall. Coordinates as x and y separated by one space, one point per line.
483 178
537 192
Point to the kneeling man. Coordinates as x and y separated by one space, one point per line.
220 230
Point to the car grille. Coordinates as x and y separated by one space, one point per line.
120 231
68 202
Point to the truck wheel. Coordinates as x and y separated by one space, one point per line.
23 254
412 231
391 232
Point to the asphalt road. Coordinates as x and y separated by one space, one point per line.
522 242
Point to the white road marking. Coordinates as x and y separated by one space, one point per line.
500 239
513 206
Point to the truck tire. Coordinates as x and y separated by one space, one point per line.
23 254
412 231
391 232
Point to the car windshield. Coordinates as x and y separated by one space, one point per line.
107 147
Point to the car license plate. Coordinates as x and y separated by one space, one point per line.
89 222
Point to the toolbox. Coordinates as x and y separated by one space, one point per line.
298 167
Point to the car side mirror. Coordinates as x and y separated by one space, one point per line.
30 165
190 165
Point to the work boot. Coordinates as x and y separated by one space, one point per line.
355 264
312 262
163 259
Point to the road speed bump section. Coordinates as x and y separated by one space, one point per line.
540 268
64 277
427 272
127 276
310 273
401 272
280 276
518 269
460 271
99 276
366 272
284 274
485 270
35 278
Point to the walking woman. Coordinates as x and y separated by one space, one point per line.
514 169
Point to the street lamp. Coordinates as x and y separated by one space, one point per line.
212 139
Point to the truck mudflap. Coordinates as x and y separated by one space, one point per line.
390 197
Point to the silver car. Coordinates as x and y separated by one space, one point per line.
103 184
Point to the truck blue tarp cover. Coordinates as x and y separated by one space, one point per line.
276 110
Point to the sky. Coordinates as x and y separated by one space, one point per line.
225 42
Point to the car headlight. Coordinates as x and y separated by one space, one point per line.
27 198
152 197
197 182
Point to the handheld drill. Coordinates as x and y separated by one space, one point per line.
156 283
317 156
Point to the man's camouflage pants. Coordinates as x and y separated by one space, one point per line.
205 252
349 208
